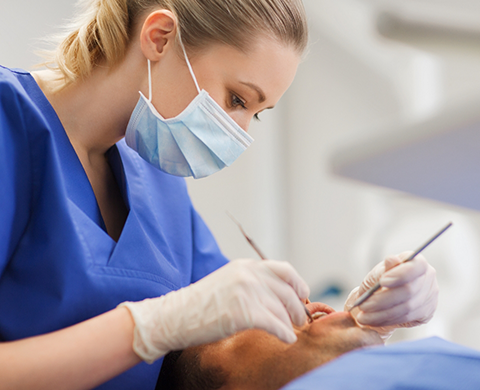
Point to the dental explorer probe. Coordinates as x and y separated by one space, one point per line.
262 256
376 286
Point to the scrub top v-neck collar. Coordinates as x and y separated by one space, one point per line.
77 185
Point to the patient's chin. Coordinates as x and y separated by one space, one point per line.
325 343
371 338
357 338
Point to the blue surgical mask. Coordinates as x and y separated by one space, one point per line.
198 142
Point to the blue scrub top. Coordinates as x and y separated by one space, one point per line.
58 265
428 364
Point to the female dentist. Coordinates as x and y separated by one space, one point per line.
103 260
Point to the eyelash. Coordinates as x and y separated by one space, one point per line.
236 101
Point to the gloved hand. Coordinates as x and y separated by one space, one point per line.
241 295
408 296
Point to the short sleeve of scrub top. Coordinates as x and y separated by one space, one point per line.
58 266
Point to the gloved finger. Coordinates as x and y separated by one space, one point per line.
397 315
288 274
404 312
269 322
374 275
405 255
289 299
392 261
389 297
352 297
405 273
418 310
426 304
270 302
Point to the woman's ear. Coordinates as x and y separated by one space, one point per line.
158 34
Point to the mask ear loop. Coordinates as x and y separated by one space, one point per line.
189 68
188 62
149 81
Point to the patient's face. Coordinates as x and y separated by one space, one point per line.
254 359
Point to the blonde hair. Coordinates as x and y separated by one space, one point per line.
102 32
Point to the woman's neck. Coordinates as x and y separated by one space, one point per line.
95 111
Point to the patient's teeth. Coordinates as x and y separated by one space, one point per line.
318 314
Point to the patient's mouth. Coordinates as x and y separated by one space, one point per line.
318 314
319 310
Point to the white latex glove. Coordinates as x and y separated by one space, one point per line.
408 296
241 295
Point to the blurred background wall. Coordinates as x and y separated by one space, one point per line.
375 69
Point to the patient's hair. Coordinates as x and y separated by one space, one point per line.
180 372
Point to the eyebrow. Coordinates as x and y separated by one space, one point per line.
261 94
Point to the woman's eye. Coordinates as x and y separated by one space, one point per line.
236 101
